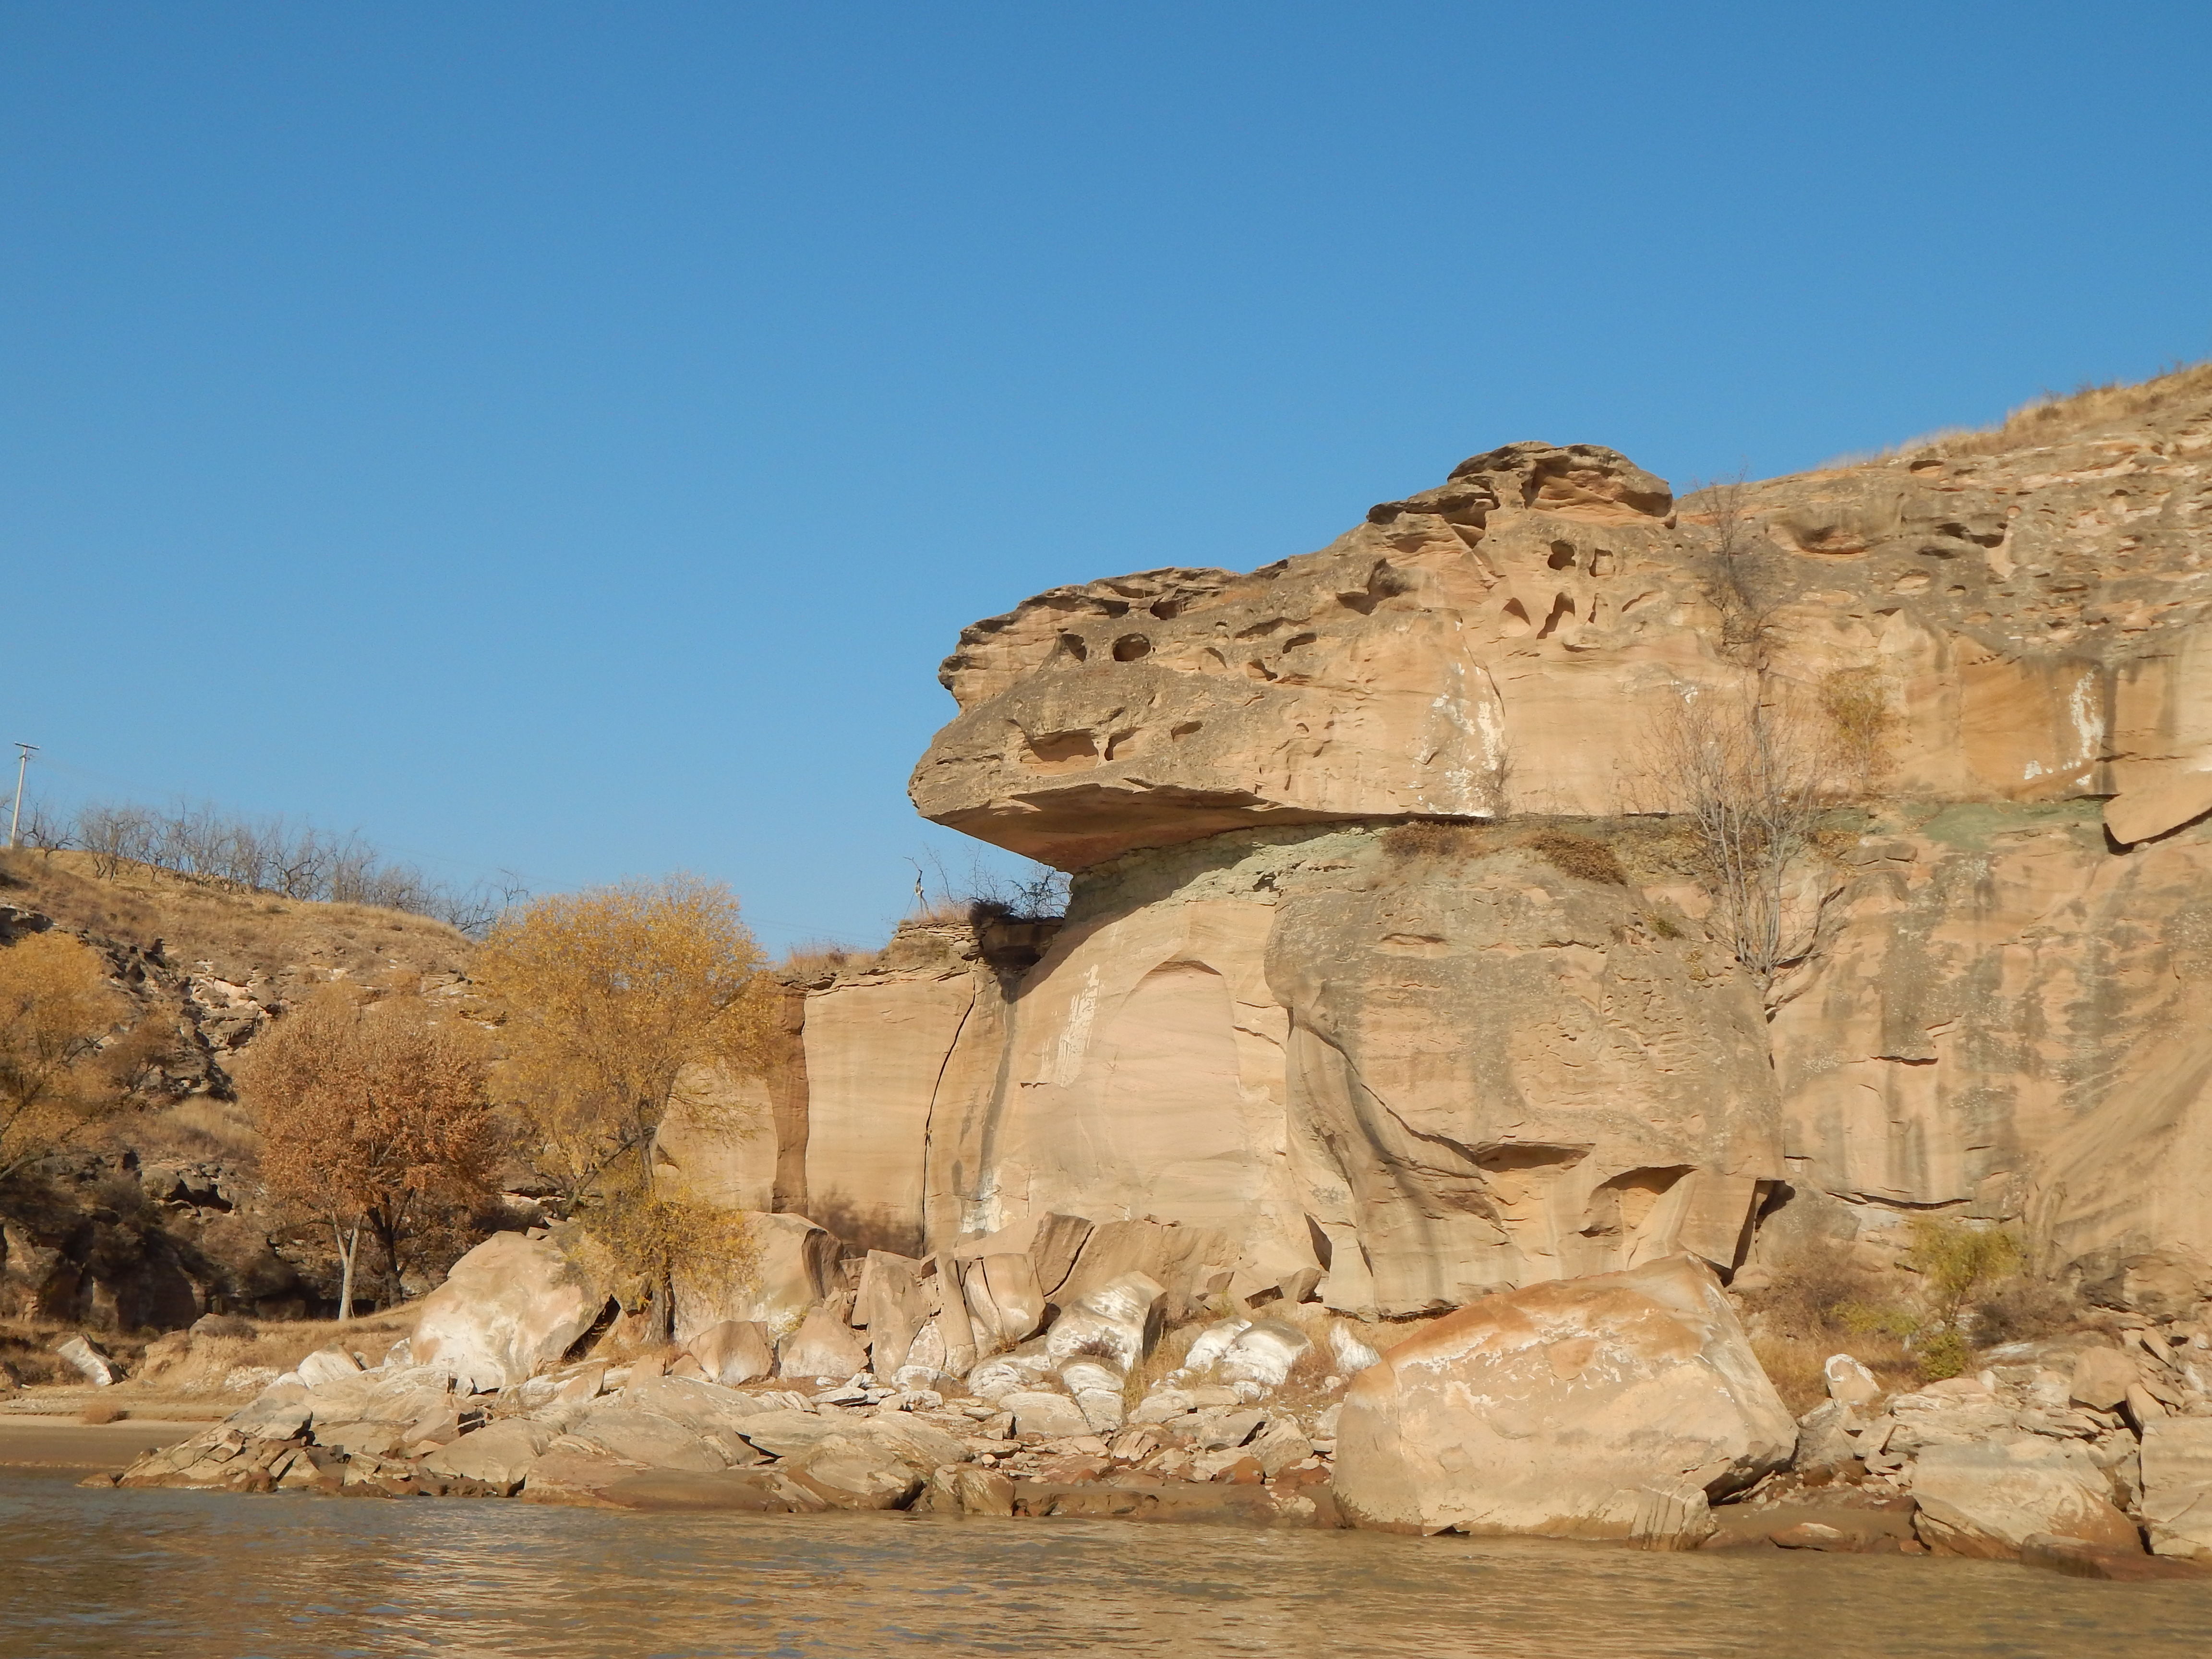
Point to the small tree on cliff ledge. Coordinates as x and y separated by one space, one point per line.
372 1119
1748 774
620 1000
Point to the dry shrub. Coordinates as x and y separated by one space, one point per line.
1814 1281
1580 856
1152 1370
1856 703
1819 1301
27 1358
673 1240
1793 1365
818 958
2021 1309
1434 838
103 1411
2052 418
1957 1259
1736 582
243 934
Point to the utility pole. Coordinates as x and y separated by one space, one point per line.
15 817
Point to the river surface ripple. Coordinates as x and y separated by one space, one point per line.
209 1575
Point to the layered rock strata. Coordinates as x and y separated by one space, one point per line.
1332 985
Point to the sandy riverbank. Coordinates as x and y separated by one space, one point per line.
46 1443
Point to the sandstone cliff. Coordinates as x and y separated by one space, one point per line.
1294 1004
1500 644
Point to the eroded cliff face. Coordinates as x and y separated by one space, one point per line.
1293 1004
1505 643
1427 1071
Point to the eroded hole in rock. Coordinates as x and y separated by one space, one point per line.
1062 751
1516 621
1562 607
1563 556
1167 609
1298 640
1072 645
1519 1157
1130 646
1184 729
1601 563
1834 540
1122 744
1383 582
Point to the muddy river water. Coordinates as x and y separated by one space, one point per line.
218 1577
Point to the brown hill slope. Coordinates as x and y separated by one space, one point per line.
160 1216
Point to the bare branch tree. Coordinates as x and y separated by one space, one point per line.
1748 772
269 855
1732 576
1028 892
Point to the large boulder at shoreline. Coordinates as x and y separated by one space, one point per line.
646 1438
509 1307
2177 1486
1607 1407
500 1455
1989 1499
856 1472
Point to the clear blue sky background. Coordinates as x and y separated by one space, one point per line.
566 437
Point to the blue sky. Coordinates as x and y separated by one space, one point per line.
566 437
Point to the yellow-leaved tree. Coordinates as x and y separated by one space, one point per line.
623 1003
62 1068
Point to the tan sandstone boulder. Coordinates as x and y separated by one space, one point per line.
2102 1377
1004 1303
736 1350
891 1305
509 1307
797 1268
1988 1499
1608 1407
2177 1487
499 1455
822 1347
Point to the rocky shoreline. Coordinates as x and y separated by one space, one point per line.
1640 1416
